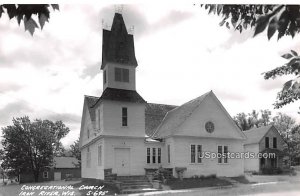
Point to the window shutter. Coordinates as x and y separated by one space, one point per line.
125 75
118 74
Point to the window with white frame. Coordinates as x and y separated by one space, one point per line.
124 116
154 155
88 157
99 119
196 151
222 154
104 76
45 174
158 155
99 155
169 154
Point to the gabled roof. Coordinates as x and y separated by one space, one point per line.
91 101
177 116
154 114
256 134
117 44
65 162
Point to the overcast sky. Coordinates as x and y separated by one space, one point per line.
182 53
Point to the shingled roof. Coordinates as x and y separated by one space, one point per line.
117 44
154 114
255 135
177 116
121 95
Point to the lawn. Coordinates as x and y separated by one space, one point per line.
187 183
93 186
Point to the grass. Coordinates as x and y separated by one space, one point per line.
187 183
109 188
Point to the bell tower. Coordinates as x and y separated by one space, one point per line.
118 56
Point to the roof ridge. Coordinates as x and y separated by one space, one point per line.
257 128
90 96
163 104
194 108
203 96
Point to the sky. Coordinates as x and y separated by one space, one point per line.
182 53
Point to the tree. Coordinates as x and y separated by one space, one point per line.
30 146
75 151
26 11
283 19
291 89
289 131
242 120
2 171
253 120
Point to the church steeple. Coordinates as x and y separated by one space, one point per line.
118 45
118 56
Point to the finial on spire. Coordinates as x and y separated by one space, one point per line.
105 25
119 9
131 30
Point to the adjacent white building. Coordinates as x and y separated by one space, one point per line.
123 134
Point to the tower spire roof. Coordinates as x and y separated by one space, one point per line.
117 44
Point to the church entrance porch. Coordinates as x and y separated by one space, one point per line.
122 161
272 164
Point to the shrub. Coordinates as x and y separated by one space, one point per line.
211 176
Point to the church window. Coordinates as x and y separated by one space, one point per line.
88 133
104 77
196 151
99 155
118 74
223 154
199 152
88 157
193 153
148 155
159 155
169 154
125 75
121 75
219 154
124 117
99 119
153 155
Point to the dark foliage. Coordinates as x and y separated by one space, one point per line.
24 12
30 146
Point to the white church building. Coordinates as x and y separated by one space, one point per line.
123 134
